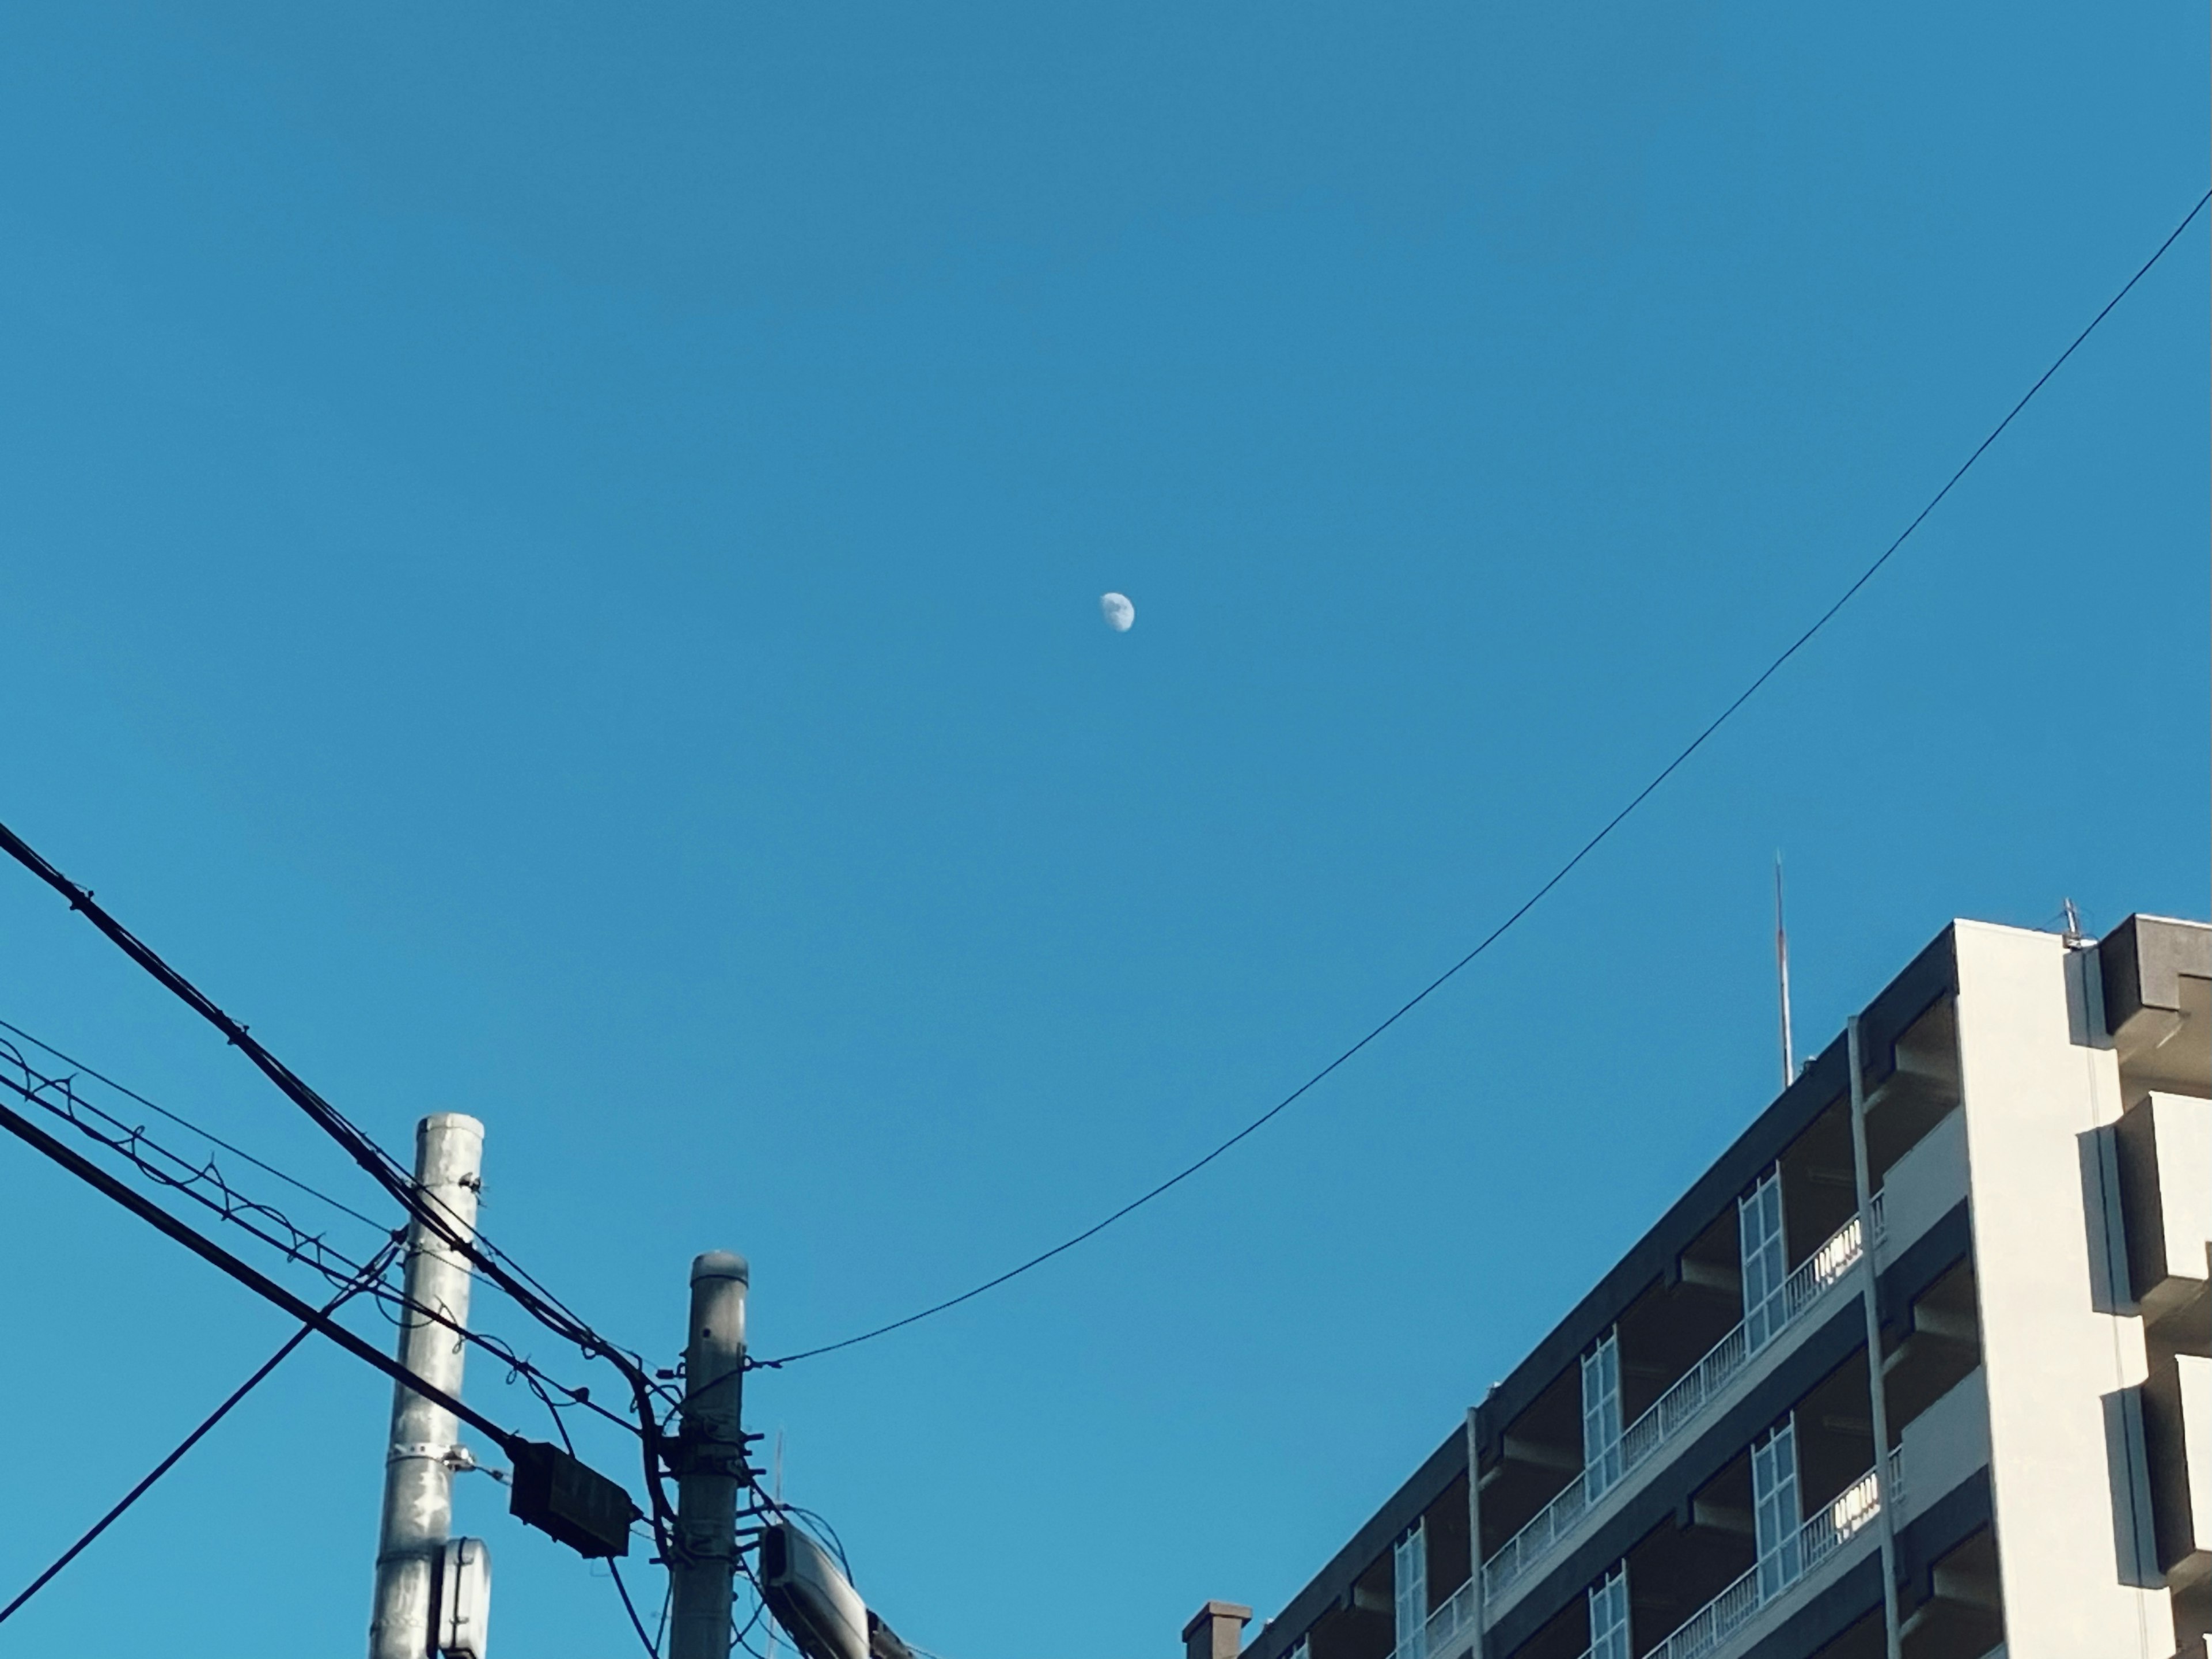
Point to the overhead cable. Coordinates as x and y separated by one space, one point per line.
386 1171
211 1137
253 1278
1681 759
368 1274
614 1570
205 1185
380 1165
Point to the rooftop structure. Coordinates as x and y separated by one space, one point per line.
1921 1367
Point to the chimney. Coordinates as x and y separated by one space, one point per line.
1217 1631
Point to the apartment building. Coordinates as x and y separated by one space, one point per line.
1921 1366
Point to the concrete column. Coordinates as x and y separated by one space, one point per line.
710 1459
1870 1304
1481 1611
420 1460
2041 1082
1216 1631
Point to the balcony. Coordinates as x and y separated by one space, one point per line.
1675 1410
1710 1630
1445 1628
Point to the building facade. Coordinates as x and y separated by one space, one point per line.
1921 1366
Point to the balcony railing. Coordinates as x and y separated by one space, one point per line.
1707 1631
1446 1623
1677 1408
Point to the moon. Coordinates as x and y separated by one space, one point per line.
1119 613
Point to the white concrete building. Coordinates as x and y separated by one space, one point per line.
1687 1465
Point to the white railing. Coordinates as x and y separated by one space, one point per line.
1449 1621
1676 1408
1534 1542
1708 1629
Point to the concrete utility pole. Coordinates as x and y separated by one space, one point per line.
418 1468
710 1459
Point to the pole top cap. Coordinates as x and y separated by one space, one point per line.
460 1120
721 1264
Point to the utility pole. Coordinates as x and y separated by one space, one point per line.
419 1465
710 1459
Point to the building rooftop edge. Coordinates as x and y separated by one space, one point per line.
2140 969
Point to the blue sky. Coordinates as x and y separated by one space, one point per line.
551 557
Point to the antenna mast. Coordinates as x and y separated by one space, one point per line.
1782 975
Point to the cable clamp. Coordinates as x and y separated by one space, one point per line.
459 1459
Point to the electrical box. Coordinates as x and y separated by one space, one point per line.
558 1494
810 1597
464 1598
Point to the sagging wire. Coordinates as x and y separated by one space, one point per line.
1603 833
374 1269
379 1164
212 1138
206 1185
202 1183
760 1610
760 1602
630 1608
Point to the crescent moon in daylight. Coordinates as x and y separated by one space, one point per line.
1120 614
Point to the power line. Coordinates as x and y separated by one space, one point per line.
630 1608
614 1567
760 1600
760 1611
255 1280
379 1164
368 1273
41 1091
211 1137
205 1185
1556 876
527 1293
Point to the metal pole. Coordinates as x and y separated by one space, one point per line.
710 1461
419 1465
1869 1298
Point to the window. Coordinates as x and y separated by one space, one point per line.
1774 1509
1601 1416
1609 1616
1758 1229
1409 1568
